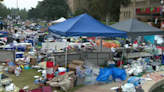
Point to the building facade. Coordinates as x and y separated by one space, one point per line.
141 9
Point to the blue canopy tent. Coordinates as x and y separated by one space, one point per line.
84 25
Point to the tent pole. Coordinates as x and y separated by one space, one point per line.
66 54
101 44
123 52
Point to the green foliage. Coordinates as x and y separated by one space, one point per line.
4 11
23 13
86 6
51 9
99 9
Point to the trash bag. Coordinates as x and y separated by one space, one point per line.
115 72
104 74
119 73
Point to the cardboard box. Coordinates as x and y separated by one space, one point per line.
28 47
75 63
33 61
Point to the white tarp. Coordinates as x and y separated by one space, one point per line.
59 20
159 39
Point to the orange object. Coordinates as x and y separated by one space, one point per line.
107 44
56 67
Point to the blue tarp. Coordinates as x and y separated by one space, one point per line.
85 25
150 38
115 72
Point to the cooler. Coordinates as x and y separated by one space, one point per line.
31 41
19 54
21 48
10 48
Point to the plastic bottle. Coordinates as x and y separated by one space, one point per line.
110 79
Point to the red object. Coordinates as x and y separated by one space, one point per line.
148 10
157 57
7 60
91 43
36 90
91 38
50 72
50 64
46 89
56 67
50 76
135 42
62 73
22 90
160 47
119 63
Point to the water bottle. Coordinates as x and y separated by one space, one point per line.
110 79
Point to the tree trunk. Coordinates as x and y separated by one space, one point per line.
108 19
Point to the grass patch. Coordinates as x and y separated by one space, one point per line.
25 78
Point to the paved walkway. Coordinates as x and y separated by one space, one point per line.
157 80
100 88
148 86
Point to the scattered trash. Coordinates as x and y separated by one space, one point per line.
10 87
149 79
114 88
26 87
36 76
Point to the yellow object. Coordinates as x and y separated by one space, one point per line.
22 67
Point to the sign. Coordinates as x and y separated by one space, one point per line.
149 10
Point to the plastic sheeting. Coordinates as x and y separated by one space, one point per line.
115 72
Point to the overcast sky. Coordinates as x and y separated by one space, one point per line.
21 3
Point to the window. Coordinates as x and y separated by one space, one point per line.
129 14
124 15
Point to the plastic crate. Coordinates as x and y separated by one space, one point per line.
79 72
83 73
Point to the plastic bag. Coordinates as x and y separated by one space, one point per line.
104 74
119 73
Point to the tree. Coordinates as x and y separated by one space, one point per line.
52 9
4 11
86 6
23 13
107 8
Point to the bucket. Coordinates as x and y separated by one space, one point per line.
27 67
31 50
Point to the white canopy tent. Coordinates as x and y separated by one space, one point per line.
59 20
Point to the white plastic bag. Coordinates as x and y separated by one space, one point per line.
10 87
